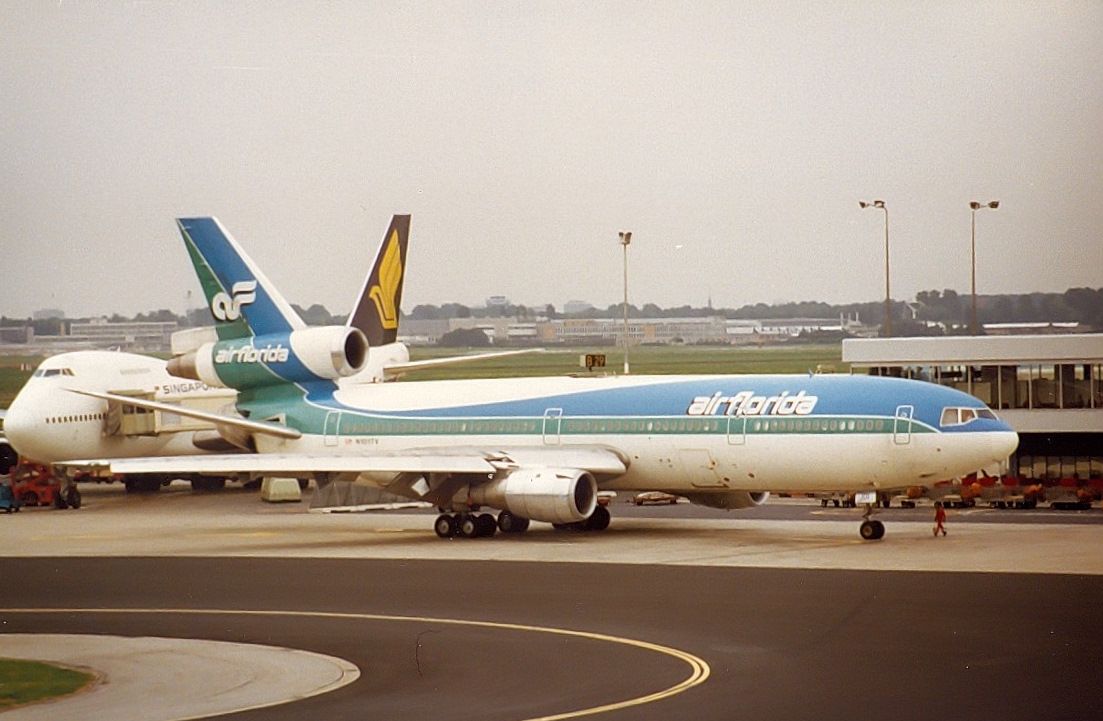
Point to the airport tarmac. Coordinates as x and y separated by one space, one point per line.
705 618
178 522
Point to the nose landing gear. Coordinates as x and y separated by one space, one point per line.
870 530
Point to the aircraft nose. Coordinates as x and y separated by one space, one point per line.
19 429
1003 444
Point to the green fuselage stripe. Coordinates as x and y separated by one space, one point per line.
355 425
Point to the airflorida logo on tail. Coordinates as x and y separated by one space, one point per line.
228 307
240 297
378 307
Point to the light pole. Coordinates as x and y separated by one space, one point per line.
888 302
625 240
977 206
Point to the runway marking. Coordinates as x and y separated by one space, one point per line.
700 669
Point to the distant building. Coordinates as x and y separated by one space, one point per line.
48 313
640 330
570 330
148 336
498 330
575 307
20 334
497 301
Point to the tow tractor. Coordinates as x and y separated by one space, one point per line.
36 485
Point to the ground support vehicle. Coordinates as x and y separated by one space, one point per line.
36 485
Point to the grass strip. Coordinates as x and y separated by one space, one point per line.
23 682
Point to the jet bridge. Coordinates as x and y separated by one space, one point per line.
122 419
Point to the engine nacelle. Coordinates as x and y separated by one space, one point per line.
552 495
729 500
301 356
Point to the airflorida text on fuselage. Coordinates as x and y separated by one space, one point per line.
746 403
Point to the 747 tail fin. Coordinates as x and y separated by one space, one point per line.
377 309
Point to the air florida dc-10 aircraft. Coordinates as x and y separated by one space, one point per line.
49 424
540 448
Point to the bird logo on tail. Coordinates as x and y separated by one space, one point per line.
384 293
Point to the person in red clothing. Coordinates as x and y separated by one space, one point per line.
939 518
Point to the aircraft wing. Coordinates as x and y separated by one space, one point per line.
397 369
598 460
271 429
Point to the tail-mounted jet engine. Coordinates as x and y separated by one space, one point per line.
300 356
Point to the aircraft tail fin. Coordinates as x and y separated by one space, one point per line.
240 297
377 308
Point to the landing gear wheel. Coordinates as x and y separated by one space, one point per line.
509 523
872 530
469 526
598 520
59 501
486 525
445 525
72 497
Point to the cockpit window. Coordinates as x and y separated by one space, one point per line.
47 372
961 416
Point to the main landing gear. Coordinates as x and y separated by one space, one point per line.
598 521
483 525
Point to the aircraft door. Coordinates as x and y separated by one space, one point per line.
332 427
902 425
553 424
737 430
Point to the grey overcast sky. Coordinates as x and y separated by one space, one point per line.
734 139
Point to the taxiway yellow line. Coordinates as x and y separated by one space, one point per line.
699 669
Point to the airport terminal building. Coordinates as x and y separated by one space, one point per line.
1048 387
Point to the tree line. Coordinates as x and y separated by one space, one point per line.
947 307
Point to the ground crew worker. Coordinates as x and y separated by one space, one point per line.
939 518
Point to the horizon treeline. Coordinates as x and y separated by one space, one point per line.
948 307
